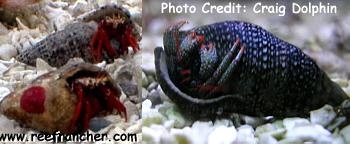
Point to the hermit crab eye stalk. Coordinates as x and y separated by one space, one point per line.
114 20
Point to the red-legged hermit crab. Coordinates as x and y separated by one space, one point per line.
103 34
64 100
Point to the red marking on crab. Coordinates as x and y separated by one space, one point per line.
185 72
32 100
101 40
200 38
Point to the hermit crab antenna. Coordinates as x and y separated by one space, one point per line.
172 37
177 26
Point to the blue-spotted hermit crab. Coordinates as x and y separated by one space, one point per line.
238 67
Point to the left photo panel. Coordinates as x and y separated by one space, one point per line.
70 71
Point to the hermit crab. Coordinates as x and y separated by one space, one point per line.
238 67
102 34
64 100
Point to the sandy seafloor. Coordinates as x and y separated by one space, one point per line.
28 24
326 38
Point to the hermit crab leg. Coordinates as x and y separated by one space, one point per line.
223 65
95 46
231 67
110 96
78 89
124 34
106 40
87 116
229 71
132 41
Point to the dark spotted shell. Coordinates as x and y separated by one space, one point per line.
59 47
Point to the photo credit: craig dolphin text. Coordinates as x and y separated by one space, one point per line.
312 8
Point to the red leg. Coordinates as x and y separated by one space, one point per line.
209 88
185 80
84 107
131 40
217 89
93 44
87 115
123 34
205 88
185 72
78 89
100 46
106 44
101 40
96 46
200 38
110 96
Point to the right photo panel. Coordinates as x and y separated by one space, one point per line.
245 72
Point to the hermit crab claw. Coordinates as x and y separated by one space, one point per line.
64 100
